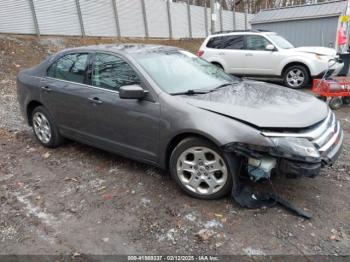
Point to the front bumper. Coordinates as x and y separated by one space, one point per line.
337 68
296 169
327 138
333 70
334 151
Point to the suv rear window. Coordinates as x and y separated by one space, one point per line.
226 42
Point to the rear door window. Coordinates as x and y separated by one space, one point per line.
111 72
226 42
71 67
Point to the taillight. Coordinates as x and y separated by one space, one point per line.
200 53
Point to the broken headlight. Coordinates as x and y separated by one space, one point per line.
295 148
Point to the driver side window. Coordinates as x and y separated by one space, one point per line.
112 72
257 42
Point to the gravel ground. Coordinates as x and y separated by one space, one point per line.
80 200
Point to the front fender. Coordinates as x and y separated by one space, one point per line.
188 119
315 66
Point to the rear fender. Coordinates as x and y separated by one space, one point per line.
218 60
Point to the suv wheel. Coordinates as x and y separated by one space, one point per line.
201 169
45 129
296 77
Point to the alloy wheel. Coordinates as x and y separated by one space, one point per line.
42 127
295 77
202 170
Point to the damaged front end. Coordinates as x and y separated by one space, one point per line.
292 160
297 154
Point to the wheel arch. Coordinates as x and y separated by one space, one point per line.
295 64
177 139
217 64
30 108
218 61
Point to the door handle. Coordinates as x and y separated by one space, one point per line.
46 89
249 54
221 53
95 100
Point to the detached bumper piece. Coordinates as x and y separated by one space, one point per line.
293 169
245 196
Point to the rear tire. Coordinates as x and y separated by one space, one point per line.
296 77
45 129
202 170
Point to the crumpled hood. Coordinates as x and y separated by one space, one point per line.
263 105
316 50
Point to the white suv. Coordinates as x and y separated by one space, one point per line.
267 54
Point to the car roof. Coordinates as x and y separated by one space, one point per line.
124 48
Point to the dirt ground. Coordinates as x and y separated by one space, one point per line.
80 200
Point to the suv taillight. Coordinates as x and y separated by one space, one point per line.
200 53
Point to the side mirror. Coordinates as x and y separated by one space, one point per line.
270 47
132 92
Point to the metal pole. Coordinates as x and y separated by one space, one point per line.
35 19
234 14
206 18
220 13
189 18
169 19
80 18
115 10
144 14
246 14
212 16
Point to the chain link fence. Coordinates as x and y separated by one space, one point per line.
121 18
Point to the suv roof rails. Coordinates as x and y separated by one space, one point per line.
240 31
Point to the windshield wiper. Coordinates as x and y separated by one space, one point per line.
203 91
223 85
191 92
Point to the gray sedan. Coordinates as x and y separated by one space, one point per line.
167 107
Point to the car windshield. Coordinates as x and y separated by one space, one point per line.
281 42
178 71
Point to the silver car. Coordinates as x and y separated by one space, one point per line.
169 108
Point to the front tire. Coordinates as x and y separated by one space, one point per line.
201 169
45 129
296 77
